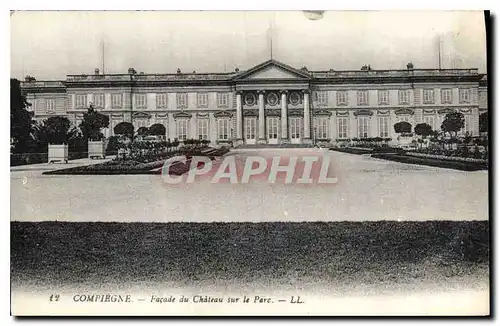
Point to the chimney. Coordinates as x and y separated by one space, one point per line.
131 71
96 71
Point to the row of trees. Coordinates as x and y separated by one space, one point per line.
452 124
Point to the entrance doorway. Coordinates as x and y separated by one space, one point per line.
272 130
295 129
250 130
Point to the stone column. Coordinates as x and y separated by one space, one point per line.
284 117
239 118
307 119
262 121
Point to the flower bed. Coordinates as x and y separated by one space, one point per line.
430 161
134 166
448 158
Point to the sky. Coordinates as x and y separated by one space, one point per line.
49 45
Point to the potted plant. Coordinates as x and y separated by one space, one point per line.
56 131
91 126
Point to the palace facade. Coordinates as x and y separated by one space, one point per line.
271 103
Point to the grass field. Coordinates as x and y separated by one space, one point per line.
376 253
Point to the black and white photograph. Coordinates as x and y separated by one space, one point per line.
250 163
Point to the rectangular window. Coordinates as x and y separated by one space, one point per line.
362 97
467 123
162 100
222 99
182 100
464 95
202 125
322 98
322 128
383 97
428 96
223 129
99 100
117 100
342 127
182 129
81 101
446 96
202 100
50 105
140 100
363 127
341 97
404 96
431 121
383 127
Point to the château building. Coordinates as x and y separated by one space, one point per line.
270 103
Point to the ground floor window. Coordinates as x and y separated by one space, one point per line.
383 127
342 127
431 121
223 129
322 128
467 124
182 129
139 123
363 127
202 126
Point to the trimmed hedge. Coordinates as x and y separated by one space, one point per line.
457 165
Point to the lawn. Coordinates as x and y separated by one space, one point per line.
336 252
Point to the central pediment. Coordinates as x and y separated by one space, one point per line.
273 70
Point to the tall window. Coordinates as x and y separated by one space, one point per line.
363 127
467 123
182 129
202 100
222 99
50 105
404 96
341 97
446 96
223 129
383 97
464 95
140 100
182 100
116 100
162 100
430 120
342 127
81 101
362 97
202 126
428 96
99 100
383 127
322 128
322 98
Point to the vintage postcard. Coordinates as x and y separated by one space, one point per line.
192 163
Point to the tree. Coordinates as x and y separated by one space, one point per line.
423 129
143 131
92 124
124 128
483 122
157 130
453 123
402 126
21 120
56 130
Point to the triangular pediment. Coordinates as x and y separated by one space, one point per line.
273 69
